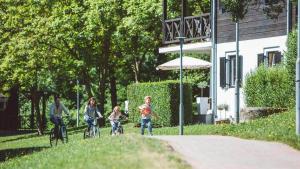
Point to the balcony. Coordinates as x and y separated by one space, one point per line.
195 28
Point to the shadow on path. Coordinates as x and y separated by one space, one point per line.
12 153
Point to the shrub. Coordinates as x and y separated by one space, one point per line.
268 87
165 101
291 55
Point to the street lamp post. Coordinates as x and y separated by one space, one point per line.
77 115
181 107
298 79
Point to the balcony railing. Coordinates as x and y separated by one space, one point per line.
195 28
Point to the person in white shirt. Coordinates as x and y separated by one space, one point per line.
90 112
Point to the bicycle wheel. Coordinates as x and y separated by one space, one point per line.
97 132
85 134
64 134
121 130
51 137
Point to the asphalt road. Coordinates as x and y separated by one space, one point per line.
223 152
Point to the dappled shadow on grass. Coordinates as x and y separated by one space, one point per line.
18 132
23 135
12 153
27 134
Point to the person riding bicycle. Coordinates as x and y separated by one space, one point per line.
56 110
114 118
90 112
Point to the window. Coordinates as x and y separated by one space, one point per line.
228 70
232 70
270 57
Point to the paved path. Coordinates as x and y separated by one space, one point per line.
222 152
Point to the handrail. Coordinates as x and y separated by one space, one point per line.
196 28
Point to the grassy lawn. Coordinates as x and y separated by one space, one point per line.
132 150
126 151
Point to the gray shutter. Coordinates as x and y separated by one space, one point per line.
278 57
241 70
260 59
223 72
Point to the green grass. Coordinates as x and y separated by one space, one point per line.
132 150
127 151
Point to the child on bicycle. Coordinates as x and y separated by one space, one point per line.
90 112
146 114
114 119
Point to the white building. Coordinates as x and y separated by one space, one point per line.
262 41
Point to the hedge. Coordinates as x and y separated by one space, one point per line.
268 87
165 101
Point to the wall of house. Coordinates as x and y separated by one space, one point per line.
255 25
249 49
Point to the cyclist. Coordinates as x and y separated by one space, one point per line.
90 112
114 119
56 110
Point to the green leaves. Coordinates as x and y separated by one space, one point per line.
268 87
237 8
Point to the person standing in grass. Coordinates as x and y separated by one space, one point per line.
146 114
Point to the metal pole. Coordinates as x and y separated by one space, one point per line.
77 116
237 74
298 78
213 72
181 108
288 19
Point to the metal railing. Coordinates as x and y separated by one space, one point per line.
195 28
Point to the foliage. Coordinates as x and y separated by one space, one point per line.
291 55
237 9
165 101
46 45
268 87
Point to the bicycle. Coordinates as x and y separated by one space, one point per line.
119 130
93 132
61 133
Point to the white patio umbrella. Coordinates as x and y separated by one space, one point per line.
187 63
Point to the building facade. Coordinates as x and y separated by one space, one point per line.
262 40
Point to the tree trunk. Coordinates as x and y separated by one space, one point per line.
44 104
32 111
136 70
136 65
113 90
87 83
37 99
103 74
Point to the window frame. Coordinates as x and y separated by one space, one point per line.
266 55
230 66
